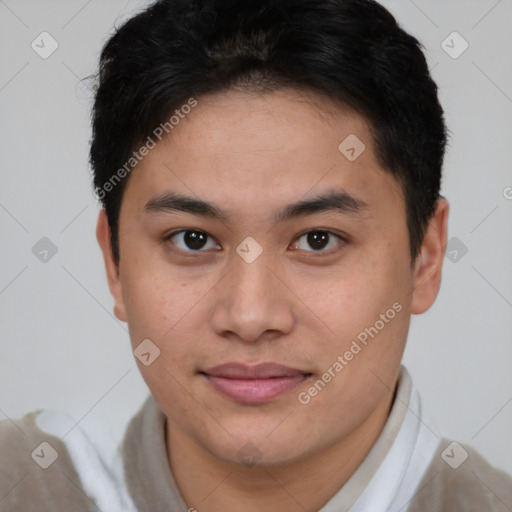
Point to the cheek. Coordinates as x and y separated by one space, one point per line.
172 314
153 304
163 313
353 297
367 310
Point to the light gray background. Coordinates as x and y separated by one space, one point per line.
60 345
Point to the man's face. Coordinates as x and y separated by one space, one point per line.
206 296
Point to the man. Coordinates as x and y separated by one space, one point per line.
269 174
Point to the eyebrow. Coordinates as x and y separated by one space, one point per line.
333 200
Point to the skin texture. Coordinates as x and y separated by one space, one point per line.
252 154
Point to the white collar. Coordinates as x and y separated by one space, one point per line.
386 480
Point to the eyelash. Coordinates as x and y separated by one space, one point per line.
342 240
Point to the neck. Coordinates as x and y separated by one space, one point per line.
210 484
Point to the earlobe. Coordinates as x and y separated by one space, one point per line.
429 262
111 268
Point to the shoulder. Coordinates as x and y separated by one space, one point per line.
36 470
460 479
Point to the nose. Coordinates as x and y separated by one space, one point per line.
253 303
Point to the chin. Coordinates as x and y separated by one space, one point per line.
252 446
256 454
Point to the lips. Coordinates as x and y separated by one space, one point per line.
254 384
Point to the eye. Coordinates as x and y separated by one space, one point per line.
190 240
318 240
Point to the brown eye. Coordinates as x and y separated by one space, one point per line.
190 240
318 240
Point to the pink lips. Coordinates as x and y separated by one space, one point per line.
254 384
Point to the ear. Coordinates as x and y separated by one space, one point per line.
114 283
429 262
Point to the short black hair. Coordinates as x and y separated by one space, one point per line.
350 51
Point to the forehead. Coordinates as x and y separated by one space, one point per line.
244 148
